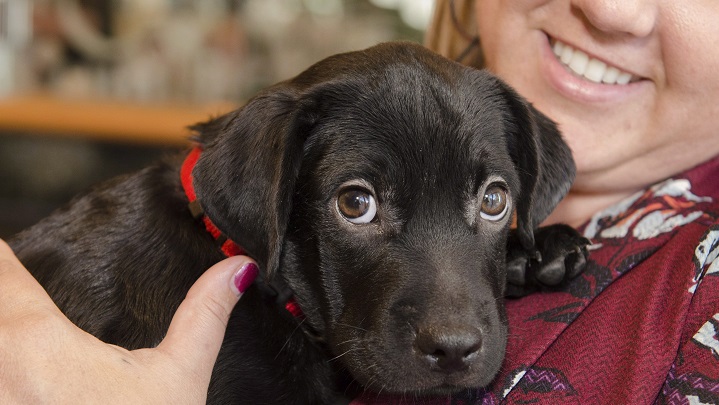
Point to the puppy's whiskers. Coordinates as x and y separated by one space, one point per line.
352 326
287 341
357 340
354 349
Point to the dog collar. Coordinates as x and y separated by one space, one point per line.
228 247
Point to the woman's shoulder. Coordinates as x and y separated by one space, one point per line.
674 224
663 209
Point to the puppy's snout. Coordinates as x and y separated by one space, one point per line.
449 350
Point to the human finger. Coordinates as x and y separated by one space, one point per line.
198 327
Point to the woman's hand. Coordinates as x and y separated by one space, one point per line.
45 358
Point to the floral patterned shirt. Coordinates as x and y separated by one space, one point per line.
639 326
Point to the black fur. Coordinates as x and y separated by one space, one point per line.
410 302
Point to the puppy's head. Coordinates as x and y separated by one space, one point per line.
381 185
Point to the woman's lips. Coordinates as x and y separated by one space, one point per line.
578 76
590 68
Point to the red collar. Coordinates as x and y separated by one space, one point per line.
228 247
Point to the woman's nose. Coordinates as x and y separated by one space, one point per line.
633 17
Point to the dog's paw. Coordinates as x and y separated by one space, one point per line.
560 255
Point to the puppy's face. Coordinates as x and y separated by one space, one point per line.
396 244
382 185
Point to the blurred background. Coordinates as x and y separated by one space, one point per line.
93 88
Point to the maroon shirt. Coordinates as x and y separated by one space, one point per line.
639 326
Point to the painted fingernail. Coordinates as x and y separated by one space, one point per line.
244 277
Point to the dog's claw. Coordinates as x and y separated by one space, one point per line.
564 252
577 261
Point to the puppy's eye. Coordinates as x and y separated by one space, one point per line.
357 206
494 203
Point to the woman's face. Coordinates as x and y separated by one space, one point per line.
635 88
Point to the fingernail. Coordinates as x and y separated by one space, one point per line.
244 277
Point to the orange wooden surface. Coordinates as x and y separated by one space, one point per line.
104 120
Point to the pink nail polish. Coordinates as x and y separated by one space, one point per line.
244 278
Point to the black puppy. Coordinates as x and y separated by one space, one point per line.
377 187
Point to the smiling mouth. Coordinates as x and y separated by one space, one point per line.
594 70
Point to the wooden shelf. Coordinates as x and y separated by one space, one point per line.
104 120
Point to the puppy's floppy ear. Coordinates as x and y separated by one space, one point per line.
246 174
544 163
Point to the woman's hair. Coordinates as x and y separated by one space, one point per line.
453 33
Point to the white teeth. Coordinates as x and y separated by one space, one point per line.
624 78
595 70
566 55
579 62
610 76
591 69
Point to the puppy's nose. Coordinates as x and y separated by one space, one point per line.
449 350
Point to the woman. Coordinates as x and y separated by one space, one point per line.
634 87
640 326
